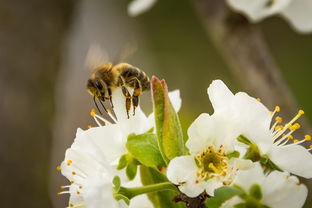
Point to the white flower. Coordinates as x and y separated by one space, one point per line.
253 120
209 166
278 189
137 7
297 12
90 181
90 163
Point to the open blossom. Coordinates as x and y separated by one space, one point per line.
253 120
90 163
277 189
297 12
210 164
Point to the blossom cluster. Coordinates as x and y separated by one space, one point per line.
239 156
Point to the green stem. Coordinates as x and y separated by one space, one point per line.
132 192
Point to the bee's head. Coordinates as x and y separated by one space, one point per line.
97 88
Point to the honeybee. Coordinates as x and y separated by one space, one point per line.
108 77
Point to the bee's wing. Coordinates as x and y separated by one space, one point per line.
126 50
96 57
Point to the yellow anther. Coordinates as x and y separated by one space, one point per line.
108 111
258 99
271 112
62 187
74 173
310 146
290 137
71 205
58 193
69 162
78 192
294 127
296 140
278 127
301 112
307 137
277 108
92 113
71 182
89 126
80 187
58 168
279 119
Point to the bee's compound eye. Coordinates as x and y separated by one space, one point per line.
98 85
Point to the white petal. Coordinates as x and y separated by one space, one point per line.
246 178
108 143
140 201
137 7
219 94
182 171
175 99
97 192
211 185
242 164
286 190
252 119
200 133
293 158
257 10
299 14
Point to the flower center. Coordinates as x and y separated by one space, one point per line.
212 162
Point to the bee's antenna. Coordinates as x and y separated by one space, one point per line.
97 105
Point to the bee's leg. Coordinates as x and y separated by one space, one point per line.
136 92
126 94
110 97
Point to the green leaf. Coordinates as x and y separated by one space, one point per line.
223 194
122 162
163 199
243 139
168 127
131 169
234 154
144 148
255 192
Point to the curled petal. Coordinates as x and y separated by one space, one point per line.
294 159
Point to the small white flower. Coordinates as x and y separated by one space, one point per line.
253 120
209 166
137 7
90 181
278 189
297 12
90 163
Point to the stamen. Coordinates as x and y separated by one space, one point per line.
69 162
307 137
58 168
289 124
89 126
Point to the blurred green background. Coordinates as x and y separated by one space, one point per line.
42 82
